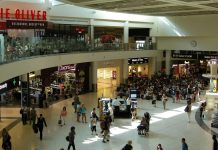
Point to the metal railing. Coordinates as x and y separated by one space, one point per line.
23 48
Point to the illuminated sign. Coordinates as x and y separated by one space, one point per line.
142 60
67 67
9 84
21 14
3 86
186 56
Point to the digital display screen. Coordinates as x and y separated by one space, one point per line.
133 95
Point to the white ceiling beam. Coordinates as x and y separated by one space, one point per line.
97 2
178 2
172 12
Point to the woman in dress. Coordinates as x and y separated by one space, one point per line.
63 115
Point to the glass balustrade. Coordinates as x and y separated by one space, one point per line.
21 48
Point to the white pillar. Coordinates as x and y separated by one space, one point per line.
168 61
92 36
2 48
126 32
125 70
126 35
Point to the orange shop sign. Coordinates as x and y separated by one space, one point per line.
21 14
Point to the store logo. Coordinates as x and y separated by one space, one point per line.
6 13
67 67
3 86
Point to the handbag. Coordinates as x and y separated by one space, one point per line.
186 109
59 121
67 138
35 128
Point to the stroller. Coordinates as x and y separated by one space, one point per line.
143 129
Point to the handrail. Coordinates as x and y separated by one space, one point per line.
23 48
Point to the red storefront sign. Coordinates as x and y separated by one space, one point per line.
21 14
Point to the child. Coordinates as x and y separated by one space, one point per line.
93 125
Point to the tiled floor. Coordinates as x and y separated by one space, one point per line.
167 127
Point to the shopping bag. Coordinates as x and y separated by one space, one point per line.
59 122
35 128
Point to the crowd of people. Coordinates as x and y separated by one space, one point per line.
159 87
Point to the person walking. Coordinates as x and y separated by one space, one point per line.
93 124
23 112
83 112
71 138
78 112
184 144
63 115
201 110
128 146
41 122
159 147
6 140
188 109
76 102
33 116
215 146
105 126
164 100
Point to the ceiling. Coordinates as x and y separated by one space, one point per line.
152 7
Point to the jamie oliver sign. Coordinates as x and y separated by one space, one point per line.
17 24
21 14
67 67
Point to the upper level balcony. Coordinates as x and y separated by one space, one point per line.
14 49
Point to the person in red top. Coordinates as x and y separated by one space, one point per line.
63 115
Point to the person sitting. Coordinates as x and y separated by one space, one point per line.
142 127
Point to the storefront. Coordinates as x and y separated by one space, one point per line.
108 77
138 67
10 93
183 64
107 38
108 74
64 81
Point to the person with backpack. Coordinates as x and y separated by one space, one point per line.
184 144
128 146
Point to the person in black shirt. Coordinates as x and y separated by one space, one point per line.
128 146
6 140
41 122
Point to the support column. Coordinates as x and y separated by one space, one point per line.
94 76
125 71
126 35
2 49
92 36
25 92
168 62
152 68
